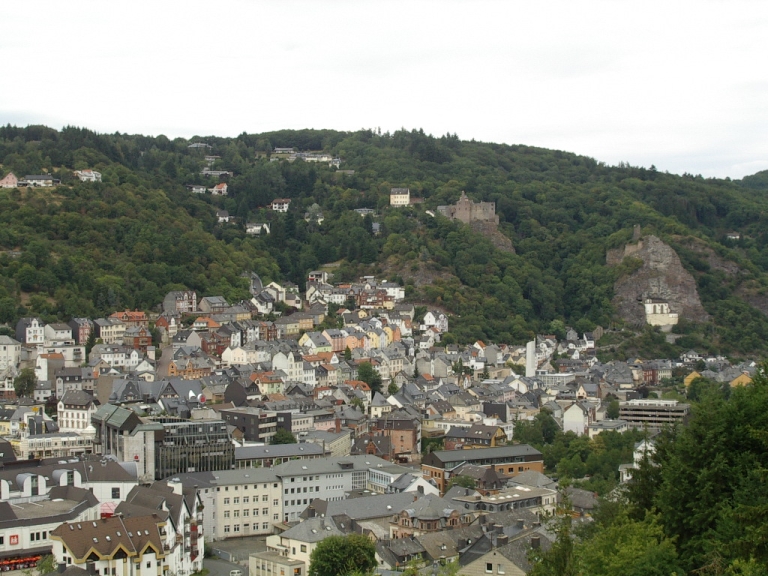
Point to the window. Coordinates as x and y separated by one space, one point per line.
237 527
236 501
149 564
265 511
226 501
500 569
226 528
275 502
264 525
116 493
255 511
265 498
245 499
489 568
226 513
303 547
275 517
245 513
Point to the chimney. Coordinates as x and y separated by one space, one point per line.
462 543
535 542
338 425
60 567
498 528
90 566
502 540
520 523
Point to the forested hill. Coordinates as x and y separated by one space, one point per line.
86 249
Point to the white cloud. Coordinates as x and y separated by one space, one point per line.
679 85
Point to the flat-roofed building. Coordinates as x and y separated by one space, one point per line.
237 503
652 413
510 460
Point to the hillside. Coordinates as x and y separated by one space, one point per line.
89 248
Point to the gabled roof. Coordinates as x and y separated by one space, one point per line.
105 537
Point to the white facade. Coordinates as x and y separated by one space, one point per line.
88 175
238 503
400 197
657 313
10 353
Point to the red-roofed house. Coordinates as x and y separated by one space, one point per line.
219 190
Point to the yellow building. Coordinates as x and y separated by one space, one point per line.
741 380
690 378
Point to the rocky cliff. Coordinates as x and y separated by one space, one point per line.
661 276
491 231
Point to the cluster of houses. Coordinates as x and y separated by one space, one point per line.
10 180
127 448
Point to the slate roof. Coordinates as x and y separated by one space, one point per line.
107 535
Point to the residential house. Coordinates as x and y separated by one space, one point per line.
88 175
81 329
257 228
219 189
9 181
30 331
181 302
74 411
399 197
132 318
109 330
280 204
10 353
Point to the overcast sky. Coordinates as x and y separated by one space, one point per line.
681 85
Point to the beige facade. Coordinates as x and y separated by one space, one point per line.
399 197
273 564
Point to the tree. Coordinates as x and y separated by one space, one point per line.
462 481
712 495
342 556
282 436
612 411
630 547
558 559
367 374
46 564
25 383
347 354
392 389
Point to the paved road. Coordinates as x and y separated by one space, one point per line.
219 567
164 361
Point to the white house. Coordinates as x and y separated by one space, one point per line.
576 419
399 197
88 175
280 204
257 228
74 411
10 353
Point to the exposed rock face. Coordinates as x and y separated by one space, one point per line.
490 230
661 276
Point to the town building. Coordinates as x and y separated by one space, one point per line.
652 413
511 460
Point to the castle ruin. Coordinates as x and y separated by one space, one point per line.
467 211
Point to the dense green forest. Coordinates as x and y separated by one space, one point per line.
89 248
697 505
